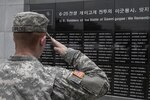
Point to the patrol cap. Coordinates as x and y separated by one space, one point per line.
30 22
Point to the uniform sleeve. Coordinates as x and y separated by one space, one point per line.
87 82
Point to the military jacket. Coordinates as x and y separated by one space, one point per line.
25 78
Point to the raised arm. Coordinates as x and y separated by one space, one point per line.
87 82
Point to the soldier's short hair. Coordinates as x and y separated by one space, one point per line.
26 22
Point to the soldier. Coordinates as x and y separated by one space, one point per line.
23 77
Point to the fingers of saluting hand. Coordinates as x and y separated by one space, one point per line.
55 42
58 47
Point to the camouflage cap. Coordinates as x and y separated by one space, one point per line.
30 22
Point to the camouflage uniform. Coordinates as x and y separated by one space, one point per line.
25 78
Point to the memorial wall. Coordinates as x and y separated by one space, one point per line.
113 33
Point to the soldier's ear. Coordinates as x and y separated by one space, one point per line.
43 41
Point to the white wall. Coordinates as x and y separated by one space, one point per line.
8 9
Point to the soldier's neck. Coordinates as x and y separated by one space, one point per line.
24 52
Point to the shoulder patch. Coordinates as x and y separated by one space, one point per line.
76 76
79 74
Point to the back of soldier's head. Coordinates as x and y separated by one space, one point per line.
27 26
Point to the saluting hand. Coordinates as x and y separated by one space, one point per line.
58 47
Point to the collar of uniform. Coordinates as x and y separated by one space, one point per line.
22 58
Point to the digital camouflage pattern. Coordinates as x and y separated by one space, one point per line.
25 78
30 22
